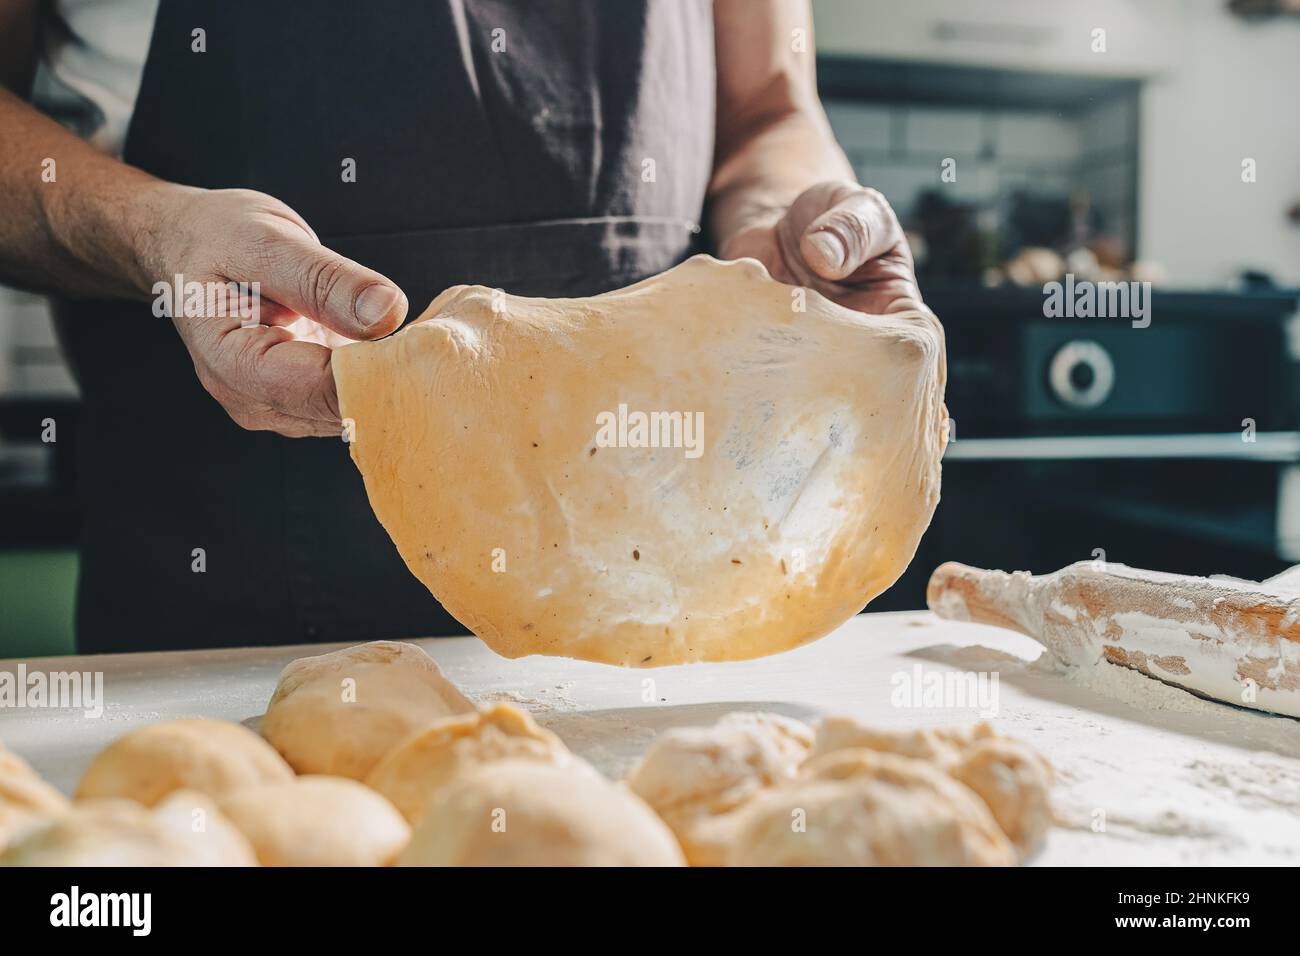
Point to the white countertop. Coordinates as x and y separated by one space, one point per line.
1171 778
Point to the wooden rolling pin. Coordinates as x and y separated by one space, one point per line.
1230 640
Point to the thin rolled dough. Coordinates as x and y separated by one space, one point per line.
498 437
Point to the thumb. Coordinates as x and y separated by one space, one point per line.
331 289
858 228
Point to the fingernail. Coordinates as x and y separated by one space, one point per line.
374 304
831 249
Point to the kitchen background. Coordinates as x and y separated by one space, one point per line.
1174 446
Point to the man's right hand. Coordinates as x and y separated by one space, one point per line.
275 376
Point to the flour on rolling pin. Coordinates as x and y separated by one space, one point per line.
1232 640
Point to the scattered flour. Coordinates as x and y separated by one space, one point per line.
1264 779
556 699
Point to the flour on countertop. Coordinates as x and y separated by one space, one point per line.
550 700
1264 779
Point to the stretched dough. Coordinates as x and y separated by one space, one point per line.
696 778
860 807
503 448
318 821
115 833
338 713
429 759
529 813
210 756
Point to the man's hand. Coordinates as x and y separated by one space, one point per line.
843 240
274 376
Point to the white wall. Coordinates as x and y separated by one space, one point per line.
1235 94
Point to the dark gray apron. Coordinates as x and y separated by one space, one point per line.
520 169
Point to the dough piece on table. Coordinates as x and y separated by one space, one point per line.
114 833
213 840
12 765
941 744
695 778
864 808
528 813
338 713
318 821
1013 779
1016 784
693 468
429 759
25 799
210 756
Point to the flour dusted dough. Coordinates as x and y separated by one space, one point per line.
529 813
338 713
210 756
318 821
696 778
114 833
429 759
1009 776
1016 784
864 808
478 430
940 744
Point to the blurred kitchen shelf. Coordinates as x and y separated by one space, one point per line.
901 82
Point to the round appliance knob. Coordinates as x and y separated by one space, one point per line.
1081 374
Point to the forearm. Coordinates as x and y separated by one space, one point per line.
78 222
773 140
763 173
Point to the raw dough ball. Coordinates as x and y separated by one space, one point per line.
13 765
528 813
25 798
696 777
429 759
212 839
112 833
318 821
1015 783
941 744
863 808
1009 776
210 756
721 474
338 713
